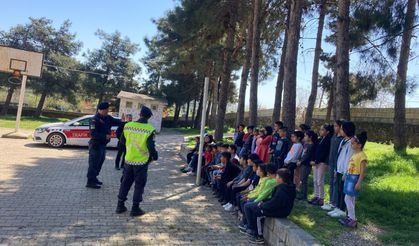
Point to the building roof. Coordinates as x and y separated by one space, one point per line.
142 97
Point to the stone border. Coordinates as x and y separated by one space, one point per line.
284 232
278 232
183 151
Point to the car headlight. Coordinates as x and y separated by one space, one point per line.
41 130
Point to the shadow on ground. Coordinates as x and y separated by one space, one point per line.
43 200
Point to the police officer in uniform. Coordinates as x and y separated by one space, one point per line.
100 133
138 137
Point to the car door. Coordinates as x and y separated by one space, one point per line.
78 132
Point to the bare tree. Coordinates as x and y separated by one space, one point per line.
245 72
280 79
254 74
226 75
315 73
400 137
342 61
290 73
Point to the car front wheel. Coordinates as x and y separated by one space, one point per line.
56 140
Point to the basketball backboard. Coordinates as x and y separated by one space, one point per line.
28 63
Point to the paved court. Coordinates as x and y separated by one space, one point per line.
43 201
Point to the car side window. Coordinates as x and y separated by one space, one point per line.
84 122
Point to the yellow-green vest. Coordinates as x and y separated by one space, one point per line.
136 135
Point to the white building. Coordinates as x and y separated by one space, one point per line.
131 103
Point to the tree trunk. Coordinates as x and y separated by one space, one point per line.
290 73
41 103
176 116
342 61
330 104
400 136
199 111
334 109
321 99
187 113
280 79
193 112
8 100
214 104
254 72
245 73
226 76
315 73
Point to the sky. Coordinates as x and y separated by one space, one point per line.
133 19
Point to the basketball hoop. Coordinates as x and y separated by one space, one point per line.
15 78
21 64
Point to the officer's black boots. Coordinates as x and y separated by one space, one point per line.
92 185
98 182
136 210
121 208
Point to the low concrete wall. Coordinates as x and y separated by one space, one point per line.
28 111
278 232
183 151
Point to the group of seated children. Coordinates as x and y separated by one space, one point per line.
262 173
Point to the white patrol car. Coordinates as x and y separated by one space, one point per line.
74 132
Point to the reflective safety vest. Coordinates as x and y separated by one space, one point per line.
136 135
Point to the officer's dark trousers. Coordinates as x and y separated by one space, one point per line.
137 174
121 153
97 154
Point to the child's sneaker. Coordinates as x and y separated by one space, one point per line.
242 226
344 220
319 202
257 240
247 232
328 207
333 211
313 200
228 206
338 214
351 223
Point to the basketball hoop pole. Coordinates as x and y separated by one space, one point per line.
20 107
201 139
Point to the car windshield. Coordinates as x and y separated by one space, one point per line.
76 119
83 117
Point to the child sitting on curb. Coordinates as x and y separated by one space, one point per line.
279 206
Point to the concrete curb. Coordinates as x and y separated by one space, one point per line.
284 232
183 151
277 232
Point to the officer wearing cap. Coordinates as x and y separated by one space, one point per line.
138 137
100 135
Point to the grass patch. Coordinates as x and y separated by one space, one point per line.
195 131
389 199
28 122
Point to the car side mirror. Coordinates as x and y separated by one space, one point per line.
76 124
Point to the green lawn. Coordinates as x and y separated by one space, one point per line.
188 131
389 200
27 122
